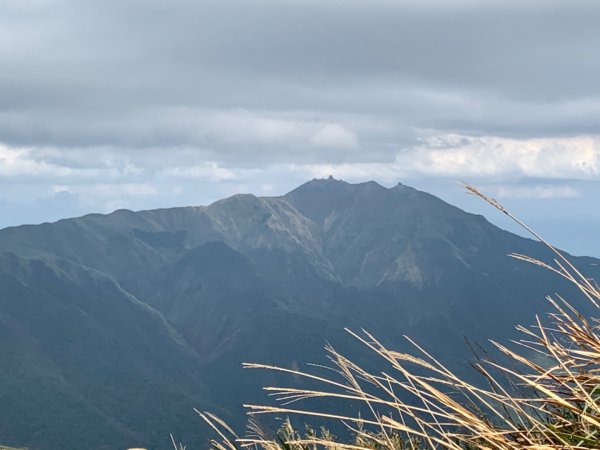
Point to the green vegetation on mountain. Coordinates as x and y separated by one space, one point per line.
543 396
115 326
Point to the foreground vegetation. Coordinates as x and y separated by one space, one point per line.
547 396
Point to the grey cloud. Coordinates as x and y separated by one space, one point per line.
155 73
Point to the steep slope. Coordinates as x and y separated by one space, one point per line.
104 314
375 235
453 265
83 361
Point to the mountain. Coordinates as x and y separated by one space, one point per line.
113 327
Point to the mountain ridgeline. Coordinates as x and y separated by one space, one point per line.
113 327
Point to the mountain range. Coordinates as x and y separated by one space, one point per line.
114 327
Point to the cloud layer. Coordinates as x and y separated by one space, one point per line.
218 75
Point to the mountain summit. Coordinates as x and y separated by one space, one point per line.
103 317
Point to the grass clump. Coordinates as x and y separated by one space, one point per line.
546 397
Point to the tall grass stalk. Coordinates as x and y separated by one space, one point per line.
551 402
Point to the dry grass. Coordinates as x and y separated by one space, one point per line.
549 405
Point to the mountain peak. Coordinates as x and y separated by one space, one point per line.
402 188
319 197
332 184
323 183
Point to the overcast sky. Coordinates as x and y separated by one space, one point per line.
145 103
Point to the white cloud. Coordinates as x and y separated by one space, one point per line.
335 136
104 178
533 192
15 162
208 171
445 155
458 156
108 189
244 127
455 155
107 197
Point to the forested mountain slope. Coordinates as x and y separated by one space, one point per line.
112 327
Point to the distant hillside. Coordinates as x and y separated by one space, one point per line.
114 326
